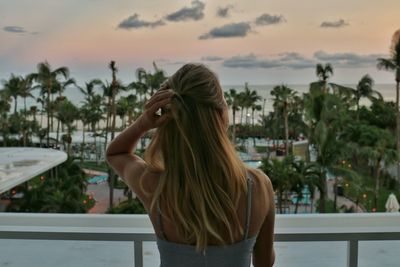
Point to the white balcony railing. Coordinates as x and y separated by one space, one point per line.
350 228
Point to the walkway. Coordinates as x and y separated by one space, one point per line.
340 200
101 193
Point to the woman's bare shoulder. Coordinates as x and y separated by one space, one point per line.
261 180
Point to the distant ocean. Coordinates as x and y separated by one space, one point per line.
75 96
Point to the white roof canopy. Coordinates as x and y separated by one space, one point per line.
20 164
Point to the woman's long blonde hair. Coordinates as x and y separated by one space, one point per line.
202 175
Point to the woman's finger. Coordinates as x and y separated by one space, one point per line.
158 97
157 105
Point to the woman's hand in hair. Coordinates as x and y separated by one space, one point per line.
151 117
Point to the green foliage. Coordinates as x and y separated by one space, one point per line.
92 165
62 194
290 175
328 206
381 114
133 206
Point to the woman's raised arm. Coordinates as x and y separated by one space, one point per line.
120 152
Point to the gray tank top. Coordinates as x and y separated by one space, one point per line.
182 255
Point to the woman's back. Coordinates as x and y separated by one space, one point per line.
192 181
253 209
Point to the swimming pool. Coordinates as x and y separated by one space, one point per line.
98 179
253 163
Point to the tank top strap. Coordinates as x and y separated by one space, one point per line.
248 207
159 221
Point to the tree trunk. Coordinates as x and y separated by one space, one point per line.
69 149
15 106
93 127
296 208
335 194
48 113
24 138
377 176
285 115
25 107
112 174
83 142
358 109
107 124
234 126
397 127
41 118
322 193
58 132
263 108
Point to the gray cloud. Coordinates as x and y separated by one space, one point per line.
348 60
285 60
195 12
240 29
334 24
223 12
293 60
267 19
133 22
249 62
212 58
14 29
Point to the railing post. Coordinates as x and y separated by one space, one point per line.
138 253
352 253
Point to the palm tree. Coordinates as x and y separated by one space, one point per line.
95 116
132 105
25 90
242 102
365 89
67 114
376 146
89 90
147 80
156 79
326 115
59 87
13 86
41 100
84 115
280 172
393 64
284 99
250 97
140 85
307 175
33 111
114 90
47 79
5 106
324 72
232 99
254 107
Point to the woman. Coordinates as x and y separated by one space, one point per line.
207 208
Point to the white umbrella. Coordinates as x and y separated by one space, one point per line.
392 205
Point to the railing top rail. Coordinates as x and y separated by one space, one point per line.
140 224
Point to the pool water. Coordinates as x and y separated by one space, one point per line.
98 179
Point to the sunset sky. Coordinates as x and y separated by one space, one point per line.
262 42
